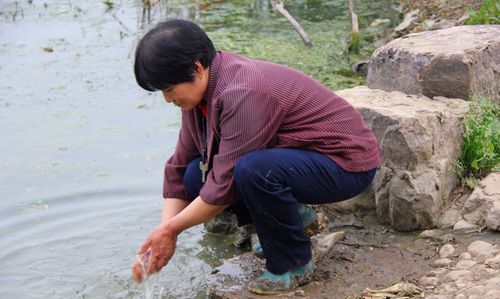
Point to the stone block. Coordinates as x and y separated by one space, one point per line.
419 139
455 63
483 205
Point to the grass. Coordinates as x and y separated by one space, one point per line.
488 13
354 43
481 147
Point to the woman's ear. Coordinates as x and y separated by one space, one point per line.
199 69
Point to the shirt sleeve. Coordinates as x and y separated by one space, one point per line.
175 167
248 121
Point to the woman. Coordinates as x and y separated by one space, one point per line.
258 139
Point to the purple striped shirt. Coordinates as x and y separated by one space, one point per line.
254 105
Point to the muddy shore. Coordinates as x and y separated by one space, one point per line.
372 256
376 257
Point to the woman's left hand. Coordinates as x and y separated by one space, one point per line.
155 253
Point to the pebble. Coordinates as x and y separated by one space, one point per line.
463 226
479 270
446 288
493 283
441 263
479 289
461 284
465 256
439 297
465 264
458 274
494 262
430 233
437 272
446 250
436 235
472 273
425 280
493 294
480 248
300 293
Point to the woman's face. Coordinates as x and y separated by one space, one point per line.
188 95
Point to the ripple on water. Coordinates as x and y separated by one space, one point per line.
85 243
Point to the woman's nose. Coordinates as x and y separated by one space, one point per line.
168 98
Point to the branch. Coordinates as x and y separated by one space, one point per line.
281 9
354 18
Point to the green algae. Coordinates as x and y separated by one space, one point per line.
254 29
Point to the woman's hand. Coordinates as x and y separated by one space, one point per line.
160 245
155 253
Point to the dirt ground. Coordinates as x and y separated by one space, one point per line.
371 255
441 9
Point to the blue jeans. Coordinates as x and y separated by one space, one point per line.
270 183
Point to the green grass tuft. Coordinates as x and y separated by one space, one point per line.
481 148
488 13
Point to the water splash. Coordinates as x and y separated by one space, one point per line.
151 287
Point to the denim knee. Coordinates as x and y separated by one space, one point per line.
247 167
192 179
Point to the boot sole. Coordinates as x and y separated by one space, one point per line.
296 282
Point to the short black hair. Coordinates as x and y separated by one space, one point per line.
166 55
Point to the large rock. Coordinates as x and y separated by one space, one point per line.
483 205
454 63
419 139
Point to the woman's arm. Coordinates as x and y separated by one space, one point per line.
196 212
172 207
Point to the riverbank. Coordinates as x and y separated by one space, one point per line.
439 263
373 257
413 192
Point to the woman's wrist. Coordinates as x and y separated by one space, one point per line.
170 230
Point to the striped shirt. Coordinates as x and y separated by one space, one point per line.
253 105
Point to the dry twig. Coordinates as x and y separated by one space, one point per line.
280 7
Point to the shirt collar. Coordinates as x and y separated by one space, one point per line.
213 76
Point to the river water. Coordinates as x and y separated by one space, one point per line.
82 147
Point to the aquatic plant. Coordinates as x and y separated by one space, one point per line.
354 43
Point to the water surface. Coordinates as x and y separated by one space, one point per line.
82 147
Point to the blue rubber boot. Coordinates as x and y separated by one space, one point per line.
308 216
309 222
272 284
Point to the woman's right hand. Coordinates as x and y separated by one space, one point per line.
155 253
